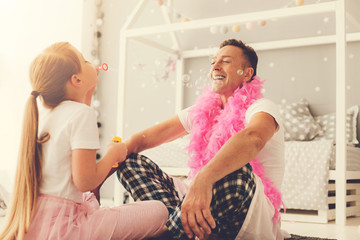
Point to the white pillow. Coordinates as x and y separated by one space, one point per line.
299 124
328 125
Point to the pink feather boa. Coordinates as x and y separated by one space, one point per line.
213 126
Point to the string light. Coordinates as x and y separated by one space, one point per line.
95 52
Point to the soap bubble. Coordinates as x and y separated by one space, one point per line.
186 78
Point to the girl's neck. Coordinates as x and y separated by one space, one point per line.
75 94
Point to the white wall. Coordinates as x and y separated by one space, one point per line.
27 27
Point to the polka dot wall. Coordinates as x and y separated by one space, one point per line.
310 79
307 72
152 79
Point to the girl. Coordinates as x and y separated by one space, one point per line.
57 161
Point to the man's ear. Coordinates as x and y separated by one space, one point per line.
248 74
75 81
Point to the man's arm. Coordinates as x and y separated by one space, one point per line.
239 150
156 135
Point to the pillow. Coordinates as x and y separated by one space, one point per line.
299 124
328 125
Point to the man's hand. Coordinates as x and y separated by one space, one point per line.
196 217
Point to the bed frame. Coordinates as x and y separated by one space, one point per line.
341 177
324 216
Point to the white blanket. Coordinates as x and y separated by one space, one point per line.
306 174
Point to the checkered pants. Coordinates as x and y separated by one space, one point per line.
231 199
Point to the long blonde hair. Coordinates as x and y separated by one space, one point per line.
49 73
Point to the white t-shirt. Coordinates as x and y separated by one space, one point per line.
272 155
71 125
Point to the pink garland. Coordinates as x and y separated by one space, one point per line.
213 126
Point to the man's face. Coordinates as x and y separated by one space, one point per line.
225 64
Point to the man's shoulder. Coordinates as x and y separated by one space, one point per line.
262 103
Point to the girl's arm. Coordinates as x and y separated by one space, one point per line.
87 173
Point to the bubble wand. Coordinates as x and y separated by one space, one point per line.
116 140
103 66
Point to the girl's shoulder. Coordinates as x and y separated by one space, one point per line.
74 107
72 110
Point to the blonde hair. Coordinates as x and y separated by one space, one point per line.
49 73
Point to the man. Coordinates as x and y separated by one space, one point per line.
230 126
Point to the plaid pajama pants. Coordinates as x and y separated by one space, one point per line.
231 199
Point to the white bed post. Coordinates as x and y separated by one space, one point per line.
179 88
340 113
168 20
179 95
118 196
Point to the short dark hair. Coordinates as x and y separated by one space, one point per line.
248 51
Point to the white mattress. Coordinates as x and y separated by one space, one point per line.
171 154
306 174
352 158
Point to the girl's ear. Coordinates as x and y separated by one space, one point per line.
75 81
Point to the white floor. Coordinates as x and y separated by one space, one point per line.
351 231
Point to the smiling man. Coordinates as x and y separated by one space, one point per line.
236 155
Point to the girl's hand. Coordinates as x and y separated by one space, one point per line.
117 151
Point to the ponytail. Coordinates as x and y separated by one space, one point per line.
28 175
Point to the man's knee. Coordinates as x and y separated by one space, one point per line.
235 191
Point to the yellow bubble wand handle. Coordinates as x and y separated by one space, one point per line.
117 140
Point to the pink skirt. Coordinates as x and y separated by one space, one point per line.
59 218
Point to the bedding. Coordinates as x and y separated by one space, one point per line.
299 124
328 122
306 174
352 158
171 154
307 164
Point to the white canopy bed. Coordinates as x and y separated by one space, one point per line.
341 11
